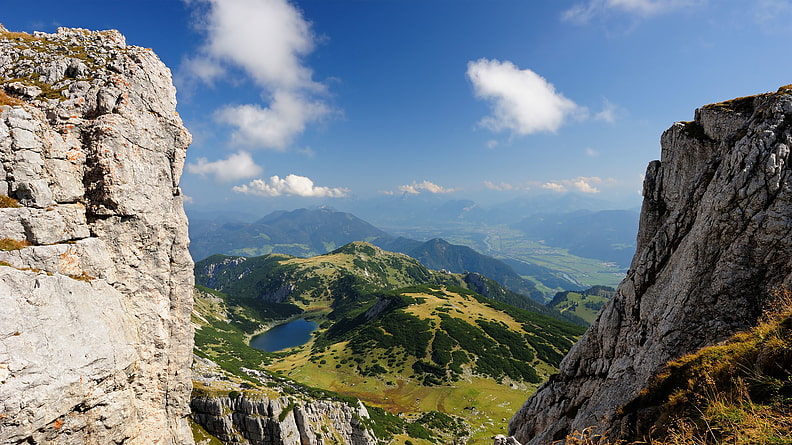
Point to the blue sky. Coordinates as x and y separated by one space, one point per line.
297 103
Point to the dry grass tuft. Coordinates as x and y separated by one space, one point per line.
82 277
587 437
22 36
738 392
12 244
5 99
6 201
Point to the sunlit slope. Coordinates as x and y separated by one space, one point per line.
434 348
584 304
392 333
351 273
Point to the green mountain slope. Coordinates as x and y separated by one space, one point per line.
307 233
391 332
585 304
439 254
318 280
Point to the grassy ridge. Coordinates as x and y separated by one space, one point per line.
391 333
585 305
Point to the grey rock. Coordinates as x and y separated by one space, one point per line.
69 187
263 421
95 334
500 439
24 139
59 224
714 241
11 225
34 193
87 360
22 90
25 165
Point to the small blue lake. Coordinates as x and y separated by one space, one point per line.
287 335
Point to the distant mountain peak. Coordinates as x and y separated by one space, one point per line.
360 248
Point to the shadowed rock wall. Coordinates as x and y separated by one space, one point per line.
714 239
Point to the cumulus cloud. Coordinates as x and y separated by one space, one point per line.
425 186
267 40
554 186
275 126
584 185
500 187
580 184
237 166
522 101
291 185
585 12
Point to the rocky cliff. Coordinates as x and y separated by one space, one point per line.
96 280
714 240
244 421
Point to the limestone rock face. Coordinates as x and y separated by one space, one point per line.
246 421
95 334
714 240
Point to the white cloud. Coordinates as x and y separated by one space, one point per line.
608 112
426 186
267 40
554 186
291 185
202 69
274 127
237 166
590 152
585 12
501 187
492 143
582 184
522 101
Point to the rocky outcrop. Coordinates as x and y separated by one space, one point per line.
714 240
244 421
96 287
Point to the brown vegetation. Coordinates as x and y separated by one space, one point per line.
12 244
737 392
8 202
5 99
12 35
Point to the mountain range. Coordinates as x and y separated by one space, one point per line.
392 332
307 233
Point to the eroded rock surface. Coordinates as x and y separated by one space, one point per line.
714 240
244 421
95 334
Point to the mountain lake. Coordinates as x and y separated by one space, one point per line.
283 336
